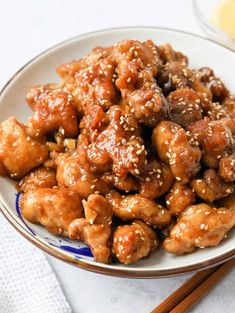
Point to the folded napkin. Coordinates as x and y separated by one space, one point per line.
27 282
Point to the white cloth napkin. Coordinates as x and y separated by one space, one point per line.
27 282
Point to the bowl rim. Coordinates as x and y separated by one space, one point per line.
125 272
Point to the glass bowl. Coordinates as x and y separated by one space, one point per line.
203 10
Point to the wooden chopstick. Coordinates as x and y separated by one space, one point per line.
203 288
183 291
177 300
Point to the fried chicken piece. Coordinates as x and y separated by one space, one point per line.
96 236
155 180
173 76
185 106
216 89
228 202
92 82
93 122
53 111
179 198
184 158
161 137
227 167
211 187
229 123
214 139
40 177
119 145
199 226
97 210
174 73
137 65
133 242
76 177
35 93
168 55
229 106
54 208
125 183
68 70
19 153
137 207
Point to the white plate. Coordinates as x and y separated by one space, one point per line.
201 52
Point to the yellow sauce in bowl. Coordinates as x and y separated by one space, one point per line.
223 17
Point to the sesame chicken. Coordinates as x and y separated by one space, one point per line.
228 202
162 136
211 187
155 180
53 111
96 236
137 207
74 176
40 177
185 106
179 198
54 208
199 226
119 145
131 139
133 242
227 167
214 139
19 153
97 210
184 158
137 66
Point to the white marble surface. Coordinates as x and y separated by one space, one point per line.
27 28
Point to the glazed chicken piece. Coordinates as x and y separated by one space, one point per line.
97 210
161 137
119 145
76 177
214 139
199 226
205 81
137 207
19 153
174 73
229 106
137 65
96 236
227 167
93 83
133 242
54 208
93 122
68 70
40 177
184 158
95 228
228 202
168 55
211 187
174 148
179 198
53 111
155 180
173 76
35 93
125 183
185 106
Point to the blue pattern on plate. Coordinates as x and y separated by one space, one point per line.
75 248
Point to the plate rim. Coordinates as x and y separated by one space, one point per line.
125 272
